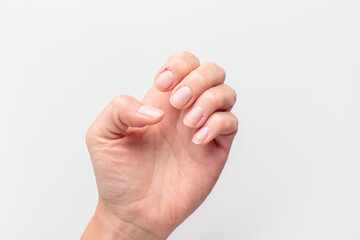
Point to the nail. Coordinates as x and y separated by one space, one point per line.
165 80
181 97
193 117
150 111
201 135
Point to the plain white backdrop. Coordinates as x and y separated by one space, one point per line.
293 172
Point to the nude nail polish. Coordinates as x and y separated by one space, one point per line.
165 80
201 135
150 111
181 97
193 117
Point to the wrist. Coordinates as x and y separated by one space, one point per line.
106 226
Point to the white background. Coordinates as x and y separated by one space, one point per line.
293 172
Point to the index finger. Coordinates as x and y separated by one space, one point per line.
176 68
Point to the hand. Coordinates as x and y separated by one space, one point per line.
157 160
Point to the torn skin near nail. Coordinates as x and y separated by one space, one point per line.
163 69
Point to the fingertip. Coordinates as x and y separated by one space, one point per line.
201 135
194 117
150 112
181 97
176 68
165 80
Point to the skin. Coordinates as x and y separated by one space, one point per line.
152 171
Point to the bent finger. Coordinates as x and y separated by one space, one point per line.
193 85
176 68
221 126
122 112
218 98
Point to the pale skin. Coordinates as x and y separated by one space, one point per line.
156 160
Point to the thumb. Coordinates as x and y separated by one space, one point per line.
122 112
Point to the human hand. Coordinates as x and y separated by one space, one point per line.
155 161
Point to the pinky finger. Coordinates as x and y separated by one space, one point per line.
220 125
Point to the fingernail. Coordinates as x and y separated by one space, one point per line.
165 80
193 117
181 97
201 135
150 111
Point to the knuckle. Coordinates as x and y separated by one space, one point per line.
186 56
230 93
218 120
199 78
233 124
216 68
233 94
236 121
121 100
210 65
227 124
212 98
179 63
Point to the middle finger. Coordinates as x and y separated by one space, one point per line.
193 85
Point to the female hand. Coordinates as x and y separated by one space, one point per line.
157 160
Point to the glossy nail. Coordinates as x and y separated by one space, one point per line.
181 97
150 111
165 80
193 117
201 135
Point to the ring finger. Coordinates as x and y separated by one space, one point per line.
218 98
